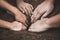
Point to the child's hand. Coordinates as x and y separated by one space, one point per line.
25 7
42 10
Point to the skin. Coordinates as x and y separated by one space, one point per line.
45 24
54 21
25 7
5 24
18 15
15 26
42 10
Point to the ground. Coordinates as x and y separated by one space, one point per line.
51 34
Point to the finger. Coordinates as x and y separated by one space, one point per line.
25 10
33 19
23 22
45 14
29 11
21 8
31 7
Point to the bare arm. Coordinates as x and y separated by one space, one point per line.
54 21
15 26
5 24
8 6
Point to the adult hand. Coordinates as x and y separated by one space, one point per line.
43 10
39 26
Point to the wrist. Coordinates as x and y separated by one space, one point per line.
8 25
47 25
49 22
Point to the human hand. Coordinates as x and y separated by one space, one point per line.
39 26
42 10
25 7
17 26
19 16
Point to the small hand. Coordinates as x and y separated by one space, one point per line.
25 7
19 16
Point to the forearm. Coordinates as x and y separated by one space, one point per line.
5 24
54 21
8 6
